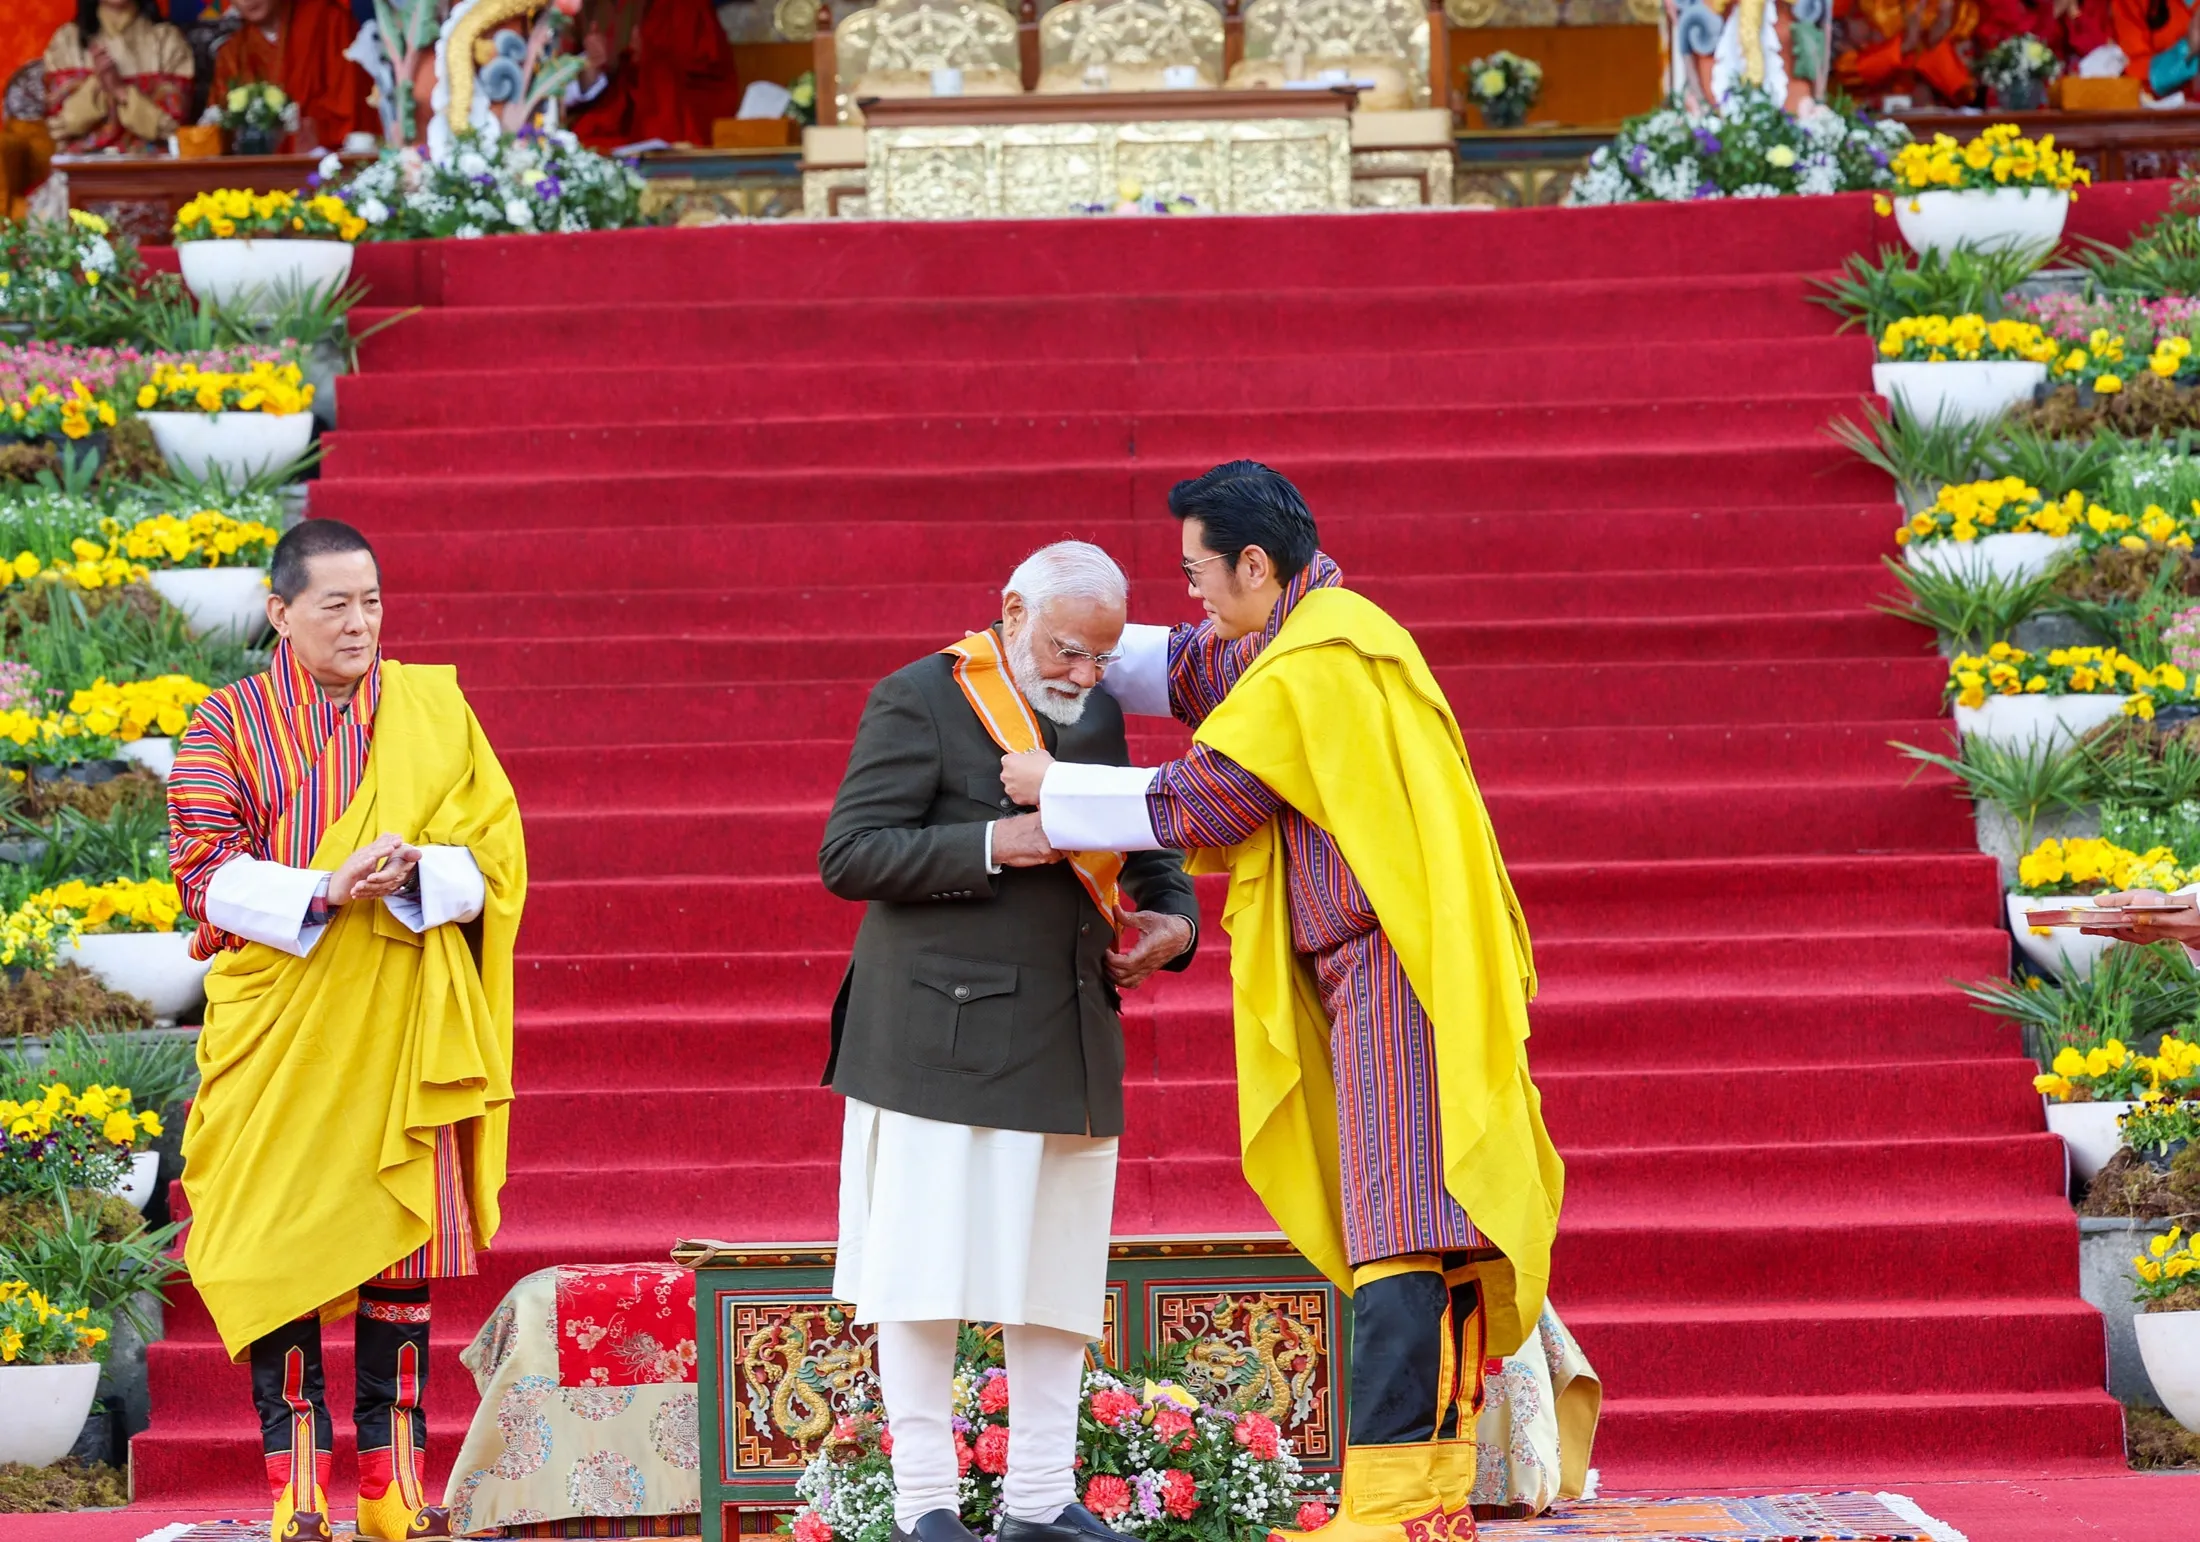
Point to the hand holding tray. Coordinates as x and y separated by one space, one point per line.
2110 919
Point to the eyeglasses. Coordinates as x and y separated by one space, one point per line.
1074 655
1191 568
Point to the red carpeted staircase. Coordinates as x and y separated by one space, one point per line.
674 500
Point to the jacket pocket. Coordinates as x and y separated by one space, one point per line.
962 1015
985 787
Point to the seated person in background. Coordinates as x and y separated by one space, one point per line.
2073 28
1915 40
2159 38
299 45
669 78
117 78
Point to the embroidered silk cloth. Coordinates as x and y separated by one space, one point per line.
625 1325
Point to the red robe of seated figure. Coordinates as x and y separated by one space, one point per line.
675 77
306 58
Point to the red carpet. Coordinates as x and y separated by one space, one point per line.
673 500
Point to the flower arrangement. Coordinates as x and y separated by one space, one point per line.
486 184
118 905
131 709
1153 1461
2006 670
265 386
2165 1270
1748 148
60 277
2090 865
68 1139
1939 339
255 115
2159 1123
2136 324
1999 157
1968 511
234 212
2111 1073
36 1331
29 738
31 936
91 566
1504 86
2018 69
207 538
44 413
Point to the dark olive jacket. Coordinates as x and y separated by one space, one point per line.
974 998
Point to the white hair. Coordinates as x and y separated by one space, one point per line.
1067 570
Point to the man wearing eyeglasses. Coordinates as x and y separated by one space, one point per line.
977 1041
1380 974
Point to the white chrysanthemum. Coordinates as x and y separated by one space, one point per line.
1757 190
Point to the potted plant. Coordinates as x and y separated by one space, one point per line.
2054 875
240 250
2000 192
253 117
1961 369
1504 86
48 1373
209 565
238 424
2018 71
2089 1091
2167 1290
1747 147
143 717
133 935
2016 699
2002 528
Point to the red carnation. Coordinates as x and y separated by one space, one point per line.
1313 1515
886 1442
1111 1406
1173 1427
810 1526
1179 1494
1258 1434
993 1396
1108 1496
963 1457
993 1449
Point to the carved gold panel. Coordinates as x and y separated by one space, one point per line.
1401 179
792 1368
1133 40
1267 1350
892 49
1553 13
1313 35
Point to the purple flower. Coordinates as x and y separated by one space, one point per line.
485 180
313 179
1707 141
1637 159
1705 190
1879 156
549 187
1148 1486
959 1424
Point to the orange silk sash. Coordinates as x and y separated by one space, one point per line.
1008 720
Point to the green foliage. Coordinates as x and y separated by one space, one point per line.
71 643
2140 771
76 1261
1971 607
1919 454
2054 466
2026 782
2162 259
1959 282
2142 829
160 1069
2133 623
129 841
2134 994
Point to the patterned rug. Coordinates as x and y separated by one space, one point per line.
1770 1518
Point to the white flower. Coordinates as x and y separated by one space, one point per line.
1757 190
373 210
331 167
470 164
517 212
467 232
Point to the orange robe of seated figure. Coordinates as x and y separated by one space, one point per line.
677 75
2140 42
306 58
1877 67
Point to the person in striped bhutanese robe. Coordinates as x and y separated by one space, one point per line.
267 766
1420 1266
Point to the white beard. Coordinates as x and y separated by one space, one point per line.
1056 700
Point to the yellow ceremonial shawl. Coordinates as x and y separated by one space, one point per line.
1341 717
309 1158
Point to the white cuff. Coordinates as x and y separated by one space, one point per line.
575 93
1139 680
451 889
1097 808
991 866
265 902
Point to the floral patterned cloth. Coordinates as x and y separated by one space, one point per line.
588 1405
1533 1441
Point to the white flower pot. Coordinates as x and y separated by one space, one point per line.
238 444
2023 555
1984 219
2089 1133
156 754
231 602
2065 952
137 1188
156 967
2018 721
254 275
2169 1343
1959 390
42 1410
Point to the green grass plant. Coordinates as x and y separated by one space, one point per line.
76 1261
71 643
2054 466
1971 607
1870 293
1919 454
2134 994
2025 782
160 1069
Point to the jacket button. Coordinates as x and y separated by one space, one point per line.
1083 928
1008 803
962 993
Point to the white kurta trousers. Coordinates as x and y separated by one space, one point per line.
950 1222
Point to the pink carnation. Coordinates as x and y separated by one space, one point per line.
1108 1496
1111 1406
886 1442
1258 1434
1313 1515
810 1526
963 1457
992 1452
993 1396
1173 1427
1179 1494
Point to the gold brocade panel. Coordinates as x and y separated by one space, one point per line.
892 49
1264 1350
1132 41
1361 36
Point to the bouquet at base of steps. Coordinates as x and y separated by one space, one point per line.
1749 148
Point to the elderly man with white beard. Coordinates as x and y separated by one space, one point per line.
976 1037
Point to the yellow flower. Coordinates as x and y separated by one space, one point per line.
2107 385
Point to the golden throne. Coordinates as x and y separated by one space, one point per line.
891 50
1127 45
1381 41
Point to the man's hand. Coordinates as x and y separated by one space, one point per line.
1022 771
375 871
2182 926
1020 842
1161 938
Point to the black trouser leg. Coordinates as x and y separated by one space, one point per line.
288 1390
1401 1360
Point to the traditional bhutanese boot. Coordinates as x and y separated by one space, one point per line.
1403 1385
296 1432
392 1364
1466 1329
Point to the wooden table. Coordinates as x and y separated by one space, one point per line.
141 193
2114 146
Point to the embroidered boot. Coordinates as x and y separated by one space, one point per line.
296 1433
1466 1327
392 1338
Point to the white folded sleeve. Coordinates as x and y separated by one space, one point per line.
265 902
1097 808
451 889
1139 679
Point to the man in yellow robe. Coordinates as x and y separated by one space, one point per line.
342 832
1380 973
